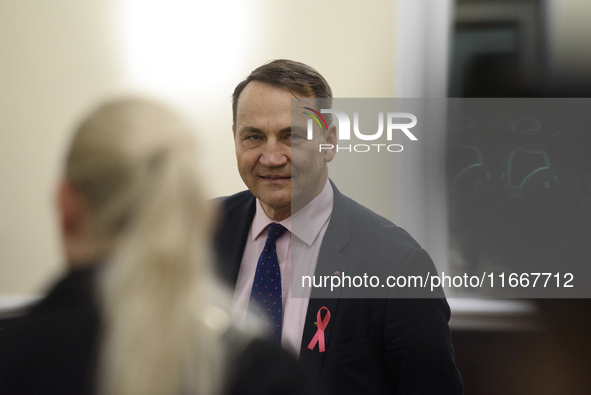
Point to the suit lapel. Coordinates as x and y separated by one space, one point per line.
330 260
238 214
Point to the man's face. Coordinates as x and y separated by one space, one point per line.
264 140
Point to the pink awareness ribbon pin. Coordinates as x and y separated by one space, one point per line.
319 336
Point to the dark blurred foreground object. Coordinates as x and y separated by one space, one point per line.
51 350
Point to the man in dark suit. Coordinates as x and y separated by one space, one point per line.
348 345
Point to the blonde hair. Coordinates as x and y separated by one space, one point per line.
135 163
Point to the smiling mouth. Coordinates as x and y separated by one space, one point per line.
276 177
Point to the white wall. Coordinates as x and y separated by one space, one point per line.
59 58
56 59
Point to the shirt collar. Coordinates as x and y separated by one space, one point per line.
309 219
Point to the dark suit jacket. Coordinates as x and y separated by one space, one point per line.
373 346
51 350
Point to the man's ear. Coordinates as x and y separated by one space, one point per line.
330 138
72 208
234 131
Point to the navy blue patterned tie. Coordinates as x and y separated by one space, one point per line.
265 298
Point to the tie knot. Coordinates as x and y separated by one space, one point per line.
275 231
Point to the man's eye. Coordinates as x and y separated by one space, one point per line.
253 138
295 136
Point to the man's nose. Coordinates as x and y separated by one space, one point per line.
274 154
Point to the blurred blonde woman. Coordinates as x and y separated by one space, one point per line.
139 311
